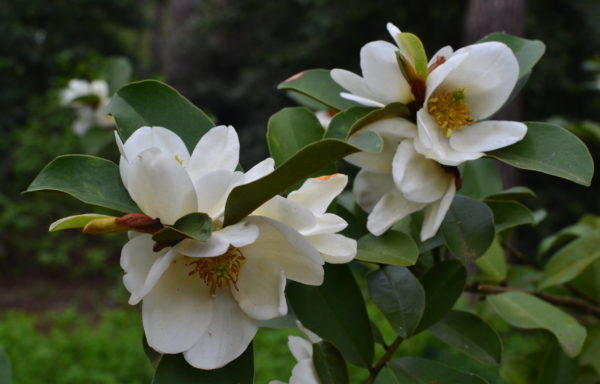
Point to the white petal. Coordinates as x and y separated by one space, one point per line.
327 223
226 338
419 179
218 149
304 373
351 82
317 193
155 137
435 213
487 136
394 32
370 187
362 100
259 170
160 186
382 73
391 208
488 77
335 248
213 188
177 311
281 244
238 235
444 52
261 289
286 211
301 348
439 75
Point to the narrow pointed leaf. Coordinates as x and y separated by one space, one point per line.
550 149
89 179
152 103
173 369
329 364
393 248
412 370
469 334
336 312
77 221
399 296
318 84
525 311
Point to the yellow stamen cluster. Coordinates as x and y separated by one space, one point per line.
220 271
450 111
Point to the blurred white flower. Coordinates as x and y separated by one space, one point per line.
89 101
304 371
206 298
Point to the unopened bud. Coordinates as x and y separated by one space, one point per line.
104 225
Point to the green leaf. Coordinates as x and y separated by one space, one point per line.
318 84
588 282
389 111
152 103
393 247
173 369
528 52
329 364
117 72
591 350
77 221
525 311
480 178
468 228
90 179
342 123
386 376
509 214
443 284
570 261
197 226
514 193
587 224
399 296
556 367
550 149
244 199
469 334
493 262
415 51
290 130
412 370
336 312
5 369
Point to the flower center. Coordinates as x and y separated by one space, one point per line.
450 111
220 271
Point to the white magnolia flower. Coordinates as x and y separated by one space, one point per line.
92 112
304 372
206 298
463 89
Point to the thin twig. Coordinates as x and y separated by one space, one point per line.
374 370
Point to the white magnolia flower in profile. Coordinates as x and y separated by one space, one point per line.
205 298
89 99
304 371
463 89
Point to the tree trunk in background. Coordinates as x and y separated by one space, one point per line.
487 16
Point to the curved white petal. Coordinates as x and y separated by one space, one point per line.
160 186
213 188
301 348
370 187
177 311
281 244
238 235
286 211
317 193
391 208
334 248
394 32
226 338
439 75
435 213
487 136
361 100
326 223
382 73
218 149
420 180
261 289
487 77
259 170
304 373
351 82
444 52
155 137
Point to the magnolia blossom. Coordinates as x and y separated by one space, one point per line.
89 99
304 372
206 298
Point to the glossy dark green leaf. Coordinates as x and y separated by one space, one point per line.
197 226
389 111
336 312
493 263
173 369
342 122
556 367
152 103
443 284
5 368
117 72
468 228
480 178
412 370
318 84
469 334
525 311
550 149
514 193
587 224
329 364
244 199
571 260
290 130
399 296
393 247
90 179
509 214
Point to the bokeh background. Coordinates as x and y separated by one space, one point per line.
63 317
